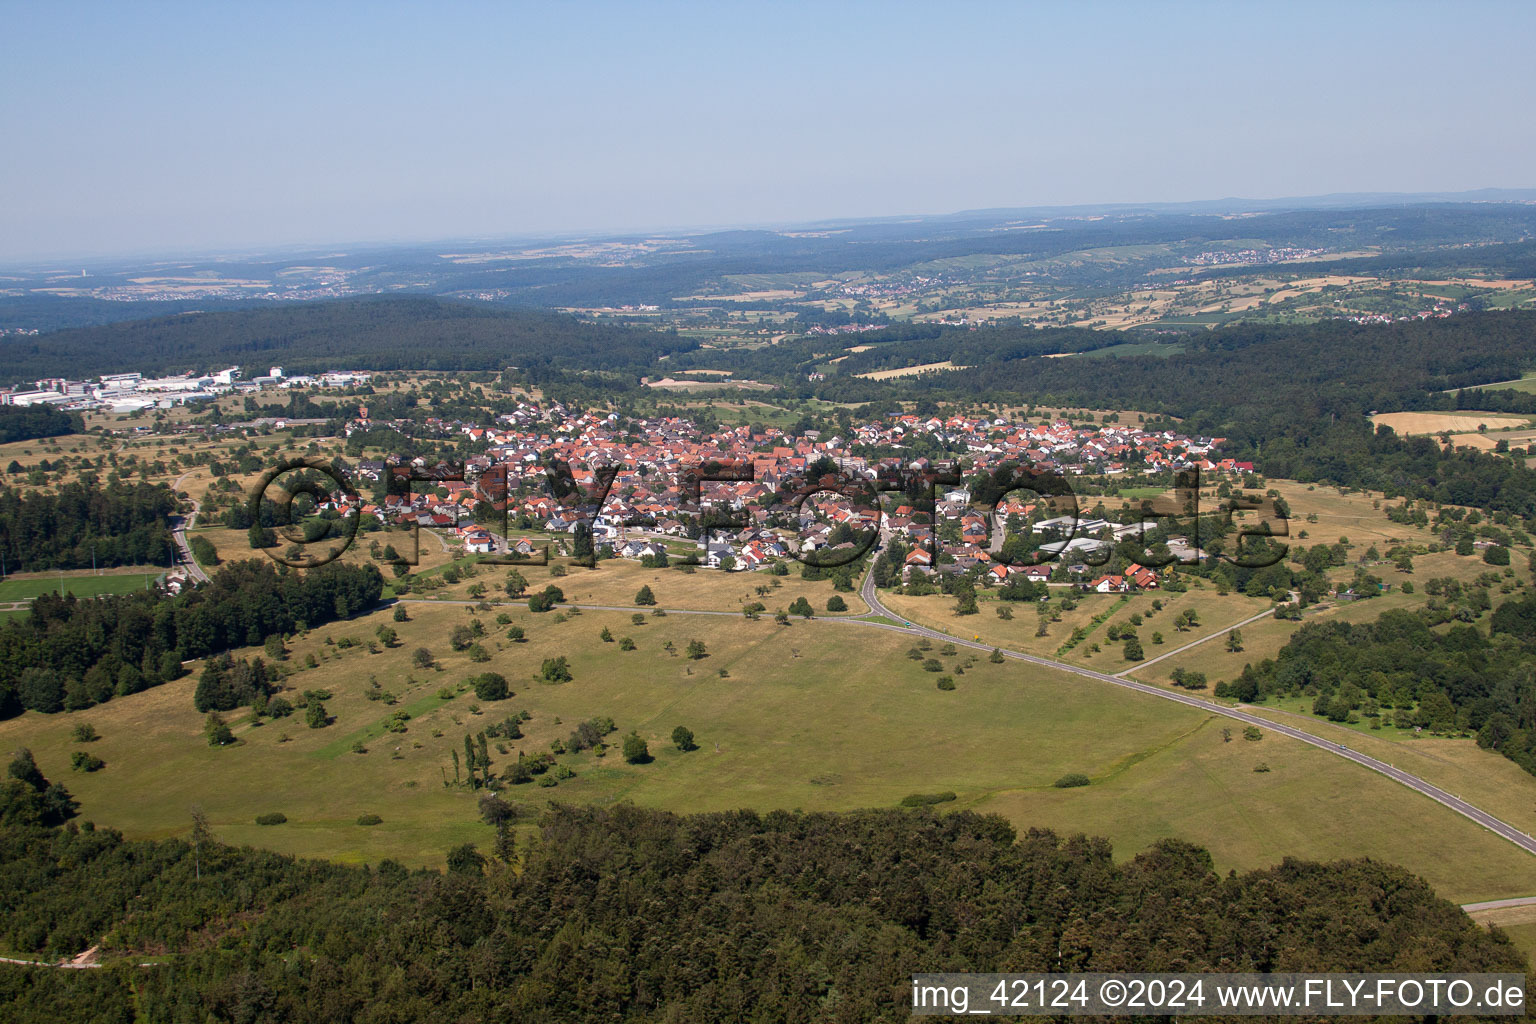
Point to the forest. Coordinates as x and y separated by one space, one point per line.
29 422
1400 666
86 525
355 334
626 914
69 653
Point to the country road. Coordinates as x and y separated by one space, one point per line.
1413 782
179 530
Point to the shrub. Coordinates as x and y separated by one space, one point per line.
85 733
1071 780
932 665
80 761
275 818
926 799
555 670
946 683
369 819
835 603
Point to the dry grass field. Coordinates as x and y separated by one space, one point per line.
1447 422
909 371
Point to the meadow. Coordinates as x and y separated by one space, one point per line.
819 714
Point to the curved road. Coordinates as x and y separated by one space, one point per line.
1413 782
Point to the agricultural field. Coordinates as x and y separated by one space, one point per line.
819 714
1448 422
909 371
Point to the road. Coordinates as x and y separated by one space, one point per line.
1237 713
179 528
1518 901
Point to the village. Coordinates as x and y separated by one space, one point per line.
633 497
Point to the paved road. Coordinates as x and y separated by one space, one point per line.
1413 782
1518 901
179 528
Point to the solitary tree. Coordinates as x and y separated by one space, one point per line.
516 584
315 715
696 650
682 738
635 750
644 598
1235 641
217 730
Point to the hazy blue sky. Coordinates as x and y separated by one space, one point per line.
144 127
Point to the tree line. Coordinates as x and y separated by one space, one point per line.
29 422
364 334
85 524
627 914
69 653
1401 669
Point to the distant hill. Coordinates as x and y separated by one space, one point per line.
364 334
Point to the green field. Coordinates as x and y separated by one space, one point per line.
81 585
816 715
1526 384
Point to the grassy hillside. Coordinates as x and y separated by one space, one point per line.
816 715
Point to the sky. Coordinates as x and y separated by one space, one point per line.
164 128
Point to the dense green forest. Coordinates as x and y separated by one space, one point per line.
28 422
69 653
357 334
1400 667
624 914
85 525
